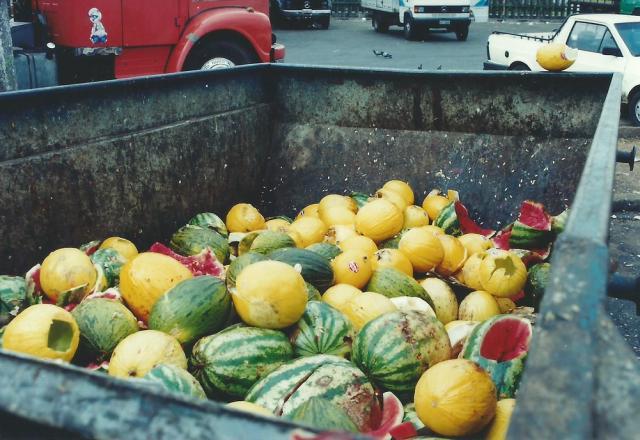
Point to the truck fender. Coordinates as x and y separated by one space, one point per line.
254 27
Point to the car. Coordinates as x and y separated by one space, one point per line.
301 11
604 42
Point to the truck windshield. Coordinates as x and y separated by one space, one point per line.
630 33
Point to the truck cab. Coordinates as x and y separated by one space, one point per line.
418 16
144 37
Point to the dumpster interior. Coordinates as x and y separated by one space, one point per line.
138 158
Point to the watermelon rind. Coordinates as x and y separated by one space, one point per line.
392 283
191 240
322 330
322 414
269 241
447 220
13 297
314 268
175 380
327 250
111 261
211 221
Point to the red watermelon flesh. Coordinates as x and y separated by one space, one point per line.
204 263
468 226
507 339
501 240
533 215
392 415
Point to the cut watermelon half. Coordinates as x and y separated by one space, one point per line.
392 415
204 263
507 339
468 226
532 230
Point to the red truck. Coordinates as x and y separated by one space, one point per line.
100 39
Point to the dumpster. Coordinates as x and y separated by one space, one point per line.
138 158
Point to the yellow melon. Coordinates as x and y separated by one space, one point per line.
352 267
244 217
422 248
379 220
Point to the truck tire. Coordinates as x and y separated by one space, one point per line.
324 22
410 30
634 109
210 54
462 33
519 66
378 24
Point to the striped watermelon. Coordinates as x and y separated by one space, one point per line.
410 415
330 377
314 268
228 363
191 309
175 380
396 348
500 345
211 221
191 240
454 220
268 241
322 330
322 414
392 283
110 261
240 263
537 280
13 297
558 222
327 250
532 230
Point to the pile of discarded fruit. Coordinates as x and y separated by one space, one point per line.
346 318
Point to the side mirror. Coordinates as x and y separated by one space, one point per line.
613 51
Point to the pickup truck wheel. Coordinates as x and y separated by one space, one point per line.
634 109
462 33
218 54
410 31
378 25
519 66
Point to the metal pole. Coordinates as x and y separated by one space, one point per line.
7 69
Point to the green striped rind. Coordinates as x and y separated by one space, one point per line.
175 380
244 246
313 294
537 280
268 241
559 221
240 263
111 261
321 414
191 240
393 242
526 237
330 377
396 348
191 309
229 363
322 330
361 199
448 220
103 323
211 221
13 297
392 283
410 415
327 250
314 268
505 375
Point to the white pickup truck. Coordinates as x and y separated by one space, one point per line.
418 16
605 43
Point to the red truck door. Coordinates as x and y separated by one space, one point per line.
151 22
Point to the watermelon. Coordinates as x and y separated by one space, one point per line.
13 297
240 263
244 244
537 280
175 380
559 221
322 330
532 229
211 221
268 241
191 309
314 268
454 220
499 345
110 261
191 240
103 323
327 250
321 414
325 376
395 349
410 415
360 198
90 247
392 283
392 414
313 294
204 263
230 362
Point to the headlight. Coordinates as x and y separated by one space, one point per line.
418 9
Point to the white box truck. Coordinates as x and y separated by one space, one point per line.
418 16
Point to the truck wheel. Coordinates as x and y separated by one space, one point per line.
519 66
324 22
218 54
462 33
410 31
378 25
634 109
